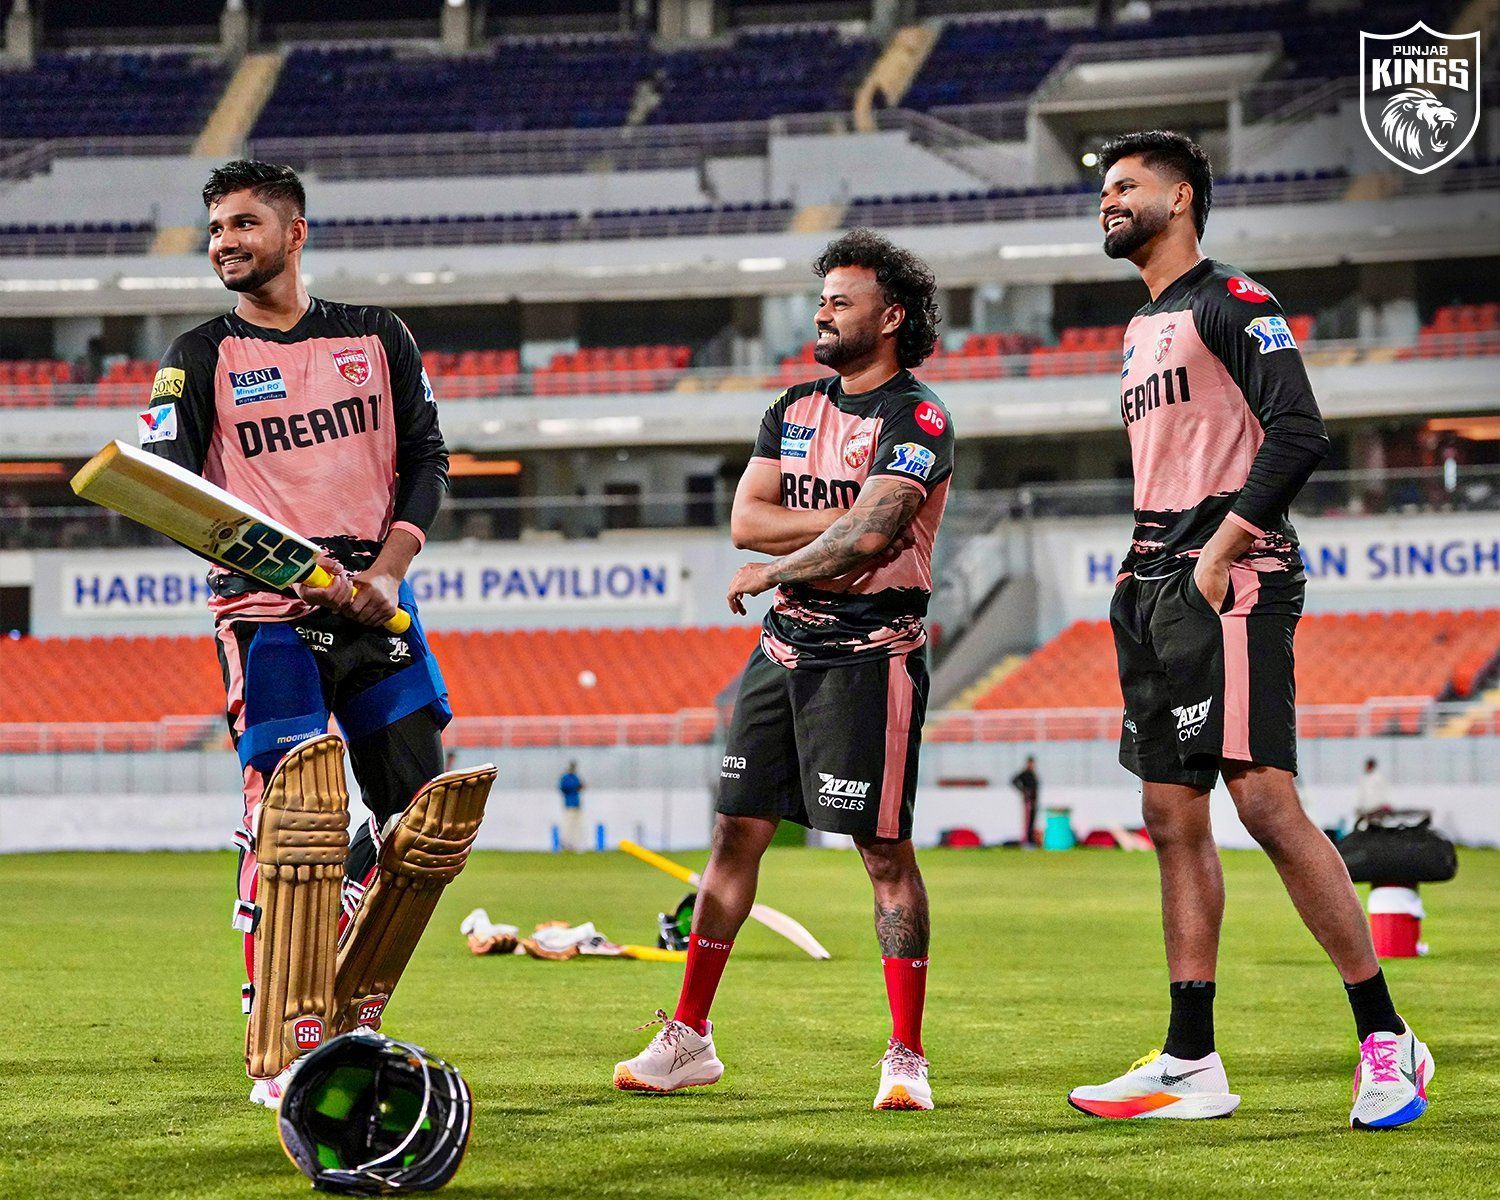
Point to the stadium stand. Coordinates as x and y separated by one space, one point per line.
109 95
70 238
513 673
1458 331
561 83
1079 350
587 686
762 73
518 83
527 227
1343 659
978 61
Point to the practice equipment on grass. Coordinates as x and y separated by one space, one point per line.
773 920
674 928
555 941
422 853
301 840
204 518
365 1115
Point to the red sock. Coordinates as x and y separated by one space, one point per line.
906 989
705 964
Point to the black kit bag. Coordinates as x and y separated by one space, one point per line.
1398 846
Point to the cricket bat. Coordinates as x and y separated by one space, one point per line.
773 920
206 519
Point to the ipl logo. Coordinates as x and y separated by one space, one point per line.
1419 94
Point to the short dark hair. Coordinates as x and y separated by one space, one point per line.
1178 154
903 278
271 183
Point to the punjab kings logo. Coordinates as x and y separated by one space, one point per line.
857 448
353 365
1419 94
1164 341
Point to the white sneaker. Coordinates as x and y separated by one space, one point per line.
1390 1081
903 1079
1162 1085
678 1057
268 1092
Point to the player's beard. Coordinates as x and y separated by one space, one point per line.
846 348
258 276
1140 227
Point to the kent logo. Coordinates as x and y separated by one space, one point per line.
1191 718
795 439
1271 333
262 383
1419 94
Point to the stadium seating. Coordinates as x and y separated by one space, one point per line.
85 237
979 61
1458 331
1346 659
760 74
614 369
518 83
109 95
525 228
561 83
1079 350
514 673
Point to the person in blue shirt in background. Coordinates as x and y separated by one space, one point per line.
571 788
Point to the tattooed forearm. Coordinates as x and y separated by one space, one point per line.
903 929
882 510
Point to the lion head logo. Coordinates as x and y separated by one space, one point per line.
1416 123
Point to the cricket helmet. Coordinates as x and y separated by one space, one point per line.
674 928
366 1115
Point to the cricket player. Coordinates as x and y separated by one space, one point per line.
846 488
320 415
1224 431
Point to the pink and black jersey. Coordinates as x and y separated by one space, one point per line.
1222 421
826 443
330 427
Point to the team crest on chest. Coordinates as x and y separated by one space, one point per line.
1164 341
857 448
353 365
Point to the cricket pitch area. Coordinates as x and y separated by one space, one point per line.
123 1070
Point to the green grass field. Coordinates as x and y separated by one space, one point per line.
122 1072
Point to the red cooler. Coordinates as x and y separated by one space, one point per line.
1396 922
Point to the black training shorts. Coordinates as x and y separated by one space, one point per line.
1201 686
832 748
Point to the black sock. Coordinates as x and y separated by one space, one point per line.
1191 1033
1373 1010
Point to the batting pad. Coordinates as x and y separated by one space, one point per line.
424 851
301 841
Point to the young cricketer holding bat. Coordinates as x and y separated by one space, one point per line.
320 415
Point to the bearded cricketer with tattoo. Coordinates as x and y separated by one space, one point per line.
846 488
